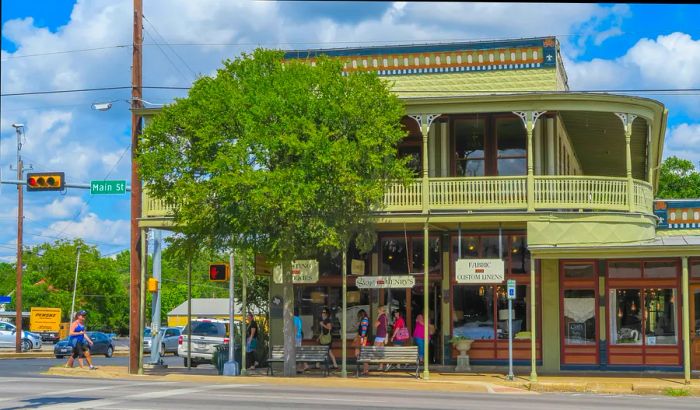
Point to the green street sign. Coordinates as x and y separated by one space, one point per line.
107 187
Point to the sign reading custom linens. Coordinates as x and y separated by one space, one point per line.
385 282
303 271
479 271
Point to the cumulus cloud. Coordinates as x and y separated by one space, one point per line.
683 141
92 228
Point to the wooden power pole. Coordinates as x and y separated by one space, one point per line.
135 335
20 225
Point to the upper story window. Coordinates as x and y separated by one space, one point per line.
470 147
511 142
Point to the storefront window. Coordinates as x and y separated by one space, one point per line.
626 325
579 271
660 314
519 255
313 300
473 312
662 269
394 257
520 309
624 270
512 149
579 315
470 248
433 255
695 271
330 264
469 146
489 247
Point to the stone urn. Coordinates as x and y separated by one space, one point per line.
463 346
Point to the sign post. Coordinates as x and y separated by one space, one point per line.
511 296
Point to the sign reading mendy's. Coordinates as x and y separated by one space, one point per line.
479 271
385 282
303 271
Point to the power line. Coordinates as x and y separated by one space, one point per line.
167 57
12 57
168 45
80 90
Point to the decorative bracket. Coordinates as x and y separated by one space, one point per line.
533 117
627 120
424 119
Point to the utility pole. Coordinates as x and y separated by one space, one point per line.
135 335
75 285
20 224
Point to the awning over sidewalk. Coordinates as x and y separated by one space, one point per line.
660 246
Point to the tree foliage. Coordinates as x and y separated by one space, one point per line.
678 179
282 158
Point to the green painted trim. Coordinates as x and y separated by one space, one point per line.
605 252
551 336
686 321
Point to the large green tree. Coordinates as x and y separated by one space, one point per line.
282 158
678 179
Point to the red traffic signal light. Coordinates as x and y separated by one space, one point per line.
45 181
218 272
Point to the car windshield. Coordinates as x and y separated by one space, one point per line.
214 329
147 332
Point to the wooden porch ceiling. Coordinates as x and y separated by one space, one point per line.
599 141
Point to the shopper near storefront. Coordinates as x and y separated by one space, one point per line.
299 334
380 334
419 335
361 337
251 342
326 338
400 334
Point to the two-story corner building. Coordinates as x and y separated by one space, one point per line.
560 185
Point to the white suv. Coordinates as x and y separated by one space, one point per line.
206 334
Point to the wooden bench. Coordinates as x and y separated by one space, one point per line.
388 355
313 354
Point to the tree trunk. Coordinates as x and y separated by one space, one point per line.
290 364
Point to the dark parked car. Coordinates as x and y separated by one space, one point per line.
102 344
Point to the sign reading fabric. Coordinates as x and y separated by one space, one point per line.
479 271
385 282
303 271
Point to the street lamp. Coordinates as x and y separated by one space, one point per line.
107 105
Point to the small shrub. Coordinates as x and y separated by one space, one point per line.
676 392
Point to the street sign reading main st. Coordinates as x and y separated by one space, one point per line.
107 187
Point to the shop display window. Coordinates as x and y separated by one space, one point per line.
579 271
481 312
624 270
694 266
626 326
579 314
312 299
434 256
660 317
394 257
520 309
519 254
660 269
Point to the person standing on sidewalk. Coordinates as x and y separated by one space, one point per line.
380 325
251 344
326 338
419 336
361 337
79 340
299 335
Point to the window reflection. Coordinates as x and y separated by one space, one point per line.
469 147
473 312
519 255
660 311
626 327
433 256
512 148
394 257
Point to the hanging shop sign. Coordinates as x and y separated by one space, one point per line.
357 267
479 271
303 271
385 282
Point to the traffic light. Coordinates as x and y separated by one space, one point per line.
218 272
45 181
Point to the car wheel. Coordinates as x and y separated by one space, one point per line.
26 345
110 351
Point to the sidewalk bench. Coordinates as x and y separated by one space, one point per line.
388 355
313 354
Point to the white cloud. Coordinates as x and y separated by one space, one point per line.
92 228
683 141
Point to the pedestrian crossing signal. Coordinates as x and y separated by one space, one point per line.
218 272
45 181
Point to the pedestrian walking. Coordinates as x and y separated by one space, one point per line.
361 337
80 341
299 335
326 338
251 345
400 334
419 335
380 335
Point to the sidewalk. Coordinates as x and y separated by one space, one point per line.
445 382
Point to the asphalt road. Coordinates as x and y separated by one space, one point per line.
65 393
34 367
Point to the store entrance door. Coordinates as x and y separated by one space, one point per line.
695 327
434 303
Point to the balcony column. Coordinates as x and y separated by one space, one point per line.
686 321
627 120
529 119
424 122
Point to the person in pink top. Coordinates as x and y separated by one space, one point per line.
419 335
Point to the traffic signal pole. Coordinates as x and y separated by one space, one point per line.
20 225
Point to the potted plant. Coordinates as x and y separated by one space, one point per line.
461 343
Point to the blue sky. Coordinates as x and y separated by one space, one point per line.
605 46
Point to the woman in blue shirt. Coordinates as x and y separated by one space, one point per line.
80 341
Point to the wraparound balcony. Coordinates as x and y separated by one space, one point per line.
570 193
510 193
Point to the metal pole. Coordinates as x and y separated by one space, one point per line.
135 337
189 313
20 226
156 300
244 314
686 322
75 285
510 339
231 306
344 322
426 303
142 295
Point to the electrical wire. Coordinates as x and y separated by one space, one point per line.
182 76
171 49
